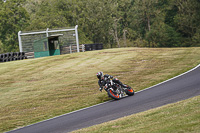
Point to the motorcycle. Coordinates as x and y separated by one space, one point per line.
117 91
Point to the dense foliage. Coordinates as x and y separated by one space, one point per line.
13 18
115 23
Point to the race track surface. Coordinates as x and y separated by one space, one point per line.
179 88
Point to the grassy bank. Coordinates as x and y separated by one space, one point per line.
179 117
38 89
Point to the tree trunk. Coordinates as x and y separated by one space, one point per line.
124 36
148 23
115 32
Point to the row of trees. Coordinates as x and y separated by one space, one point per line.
115 23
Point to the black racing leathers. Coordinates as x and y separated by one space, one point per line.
106 79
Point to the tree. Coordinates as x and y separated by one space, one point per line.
187 18
46 16
94 19
160 23
150 21
196 38
163 35
143 14
120 24
13 18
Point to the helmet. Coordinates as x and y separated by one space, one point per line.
99 75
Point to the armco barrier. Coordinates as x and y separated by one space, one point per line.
12 56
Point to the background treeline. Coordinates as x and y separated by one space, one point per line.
115 23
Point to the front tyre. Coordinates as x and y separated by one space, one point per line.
113 94
129 91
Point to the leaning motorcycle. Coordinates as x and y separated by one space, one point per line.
116 91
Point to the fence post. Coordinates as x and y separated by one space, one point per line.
83 48
47 32
77 42
70 49
20 41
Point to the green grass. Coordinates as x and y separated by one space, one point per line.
180 117
37 89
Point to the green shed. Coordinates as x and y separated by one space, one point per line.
48 46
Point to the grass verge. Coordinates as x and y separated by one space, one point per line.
37 89
178 117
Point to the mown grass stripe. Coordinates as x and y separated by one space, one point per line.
38 89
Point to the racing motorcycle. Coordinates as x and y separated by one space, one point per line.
117 91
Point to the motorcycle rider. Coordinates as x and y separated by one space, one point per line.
103 79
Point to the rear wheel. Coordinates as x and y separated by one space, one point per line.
129 91
113 94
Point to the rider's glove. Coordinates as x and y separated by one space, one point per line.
100 89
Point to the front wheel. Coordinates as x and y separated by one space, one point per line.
129 91
113 94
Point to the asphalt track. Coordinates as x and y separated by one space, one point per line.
179 88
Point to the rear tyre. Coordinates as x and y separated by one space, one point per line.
129 91
113 94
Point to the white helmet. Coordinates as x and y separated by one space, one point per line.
99 75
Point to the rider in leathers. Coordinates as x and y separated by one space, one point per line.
103 79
